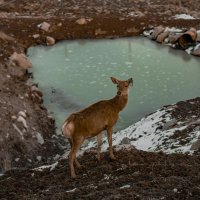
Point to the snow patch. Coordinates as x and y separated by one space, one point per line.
125 187
189 50
183 16
41 168
173 30
73 190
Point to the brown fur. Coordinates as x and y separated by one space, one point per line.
92 120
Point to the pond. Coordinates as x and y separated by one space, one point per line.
75 74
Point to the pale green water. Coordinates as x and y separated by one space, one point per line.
74 74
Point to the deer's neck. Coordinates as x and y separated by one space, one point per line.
120 101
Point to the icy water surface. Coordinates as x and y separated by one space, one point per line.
74 74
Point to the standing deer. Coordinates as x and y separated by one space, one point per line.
94 119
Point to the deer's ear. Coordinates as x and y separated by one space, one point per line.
130 81
114 80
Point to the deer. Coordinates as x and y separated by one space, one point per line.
94 119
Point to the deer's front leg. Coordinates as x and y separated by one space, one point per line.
109 134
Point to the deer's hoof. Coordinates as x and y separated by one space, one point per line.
113 157
73 176
99 158
79 166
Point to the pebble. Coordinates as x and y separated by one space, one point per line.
50 40
44 26
23 121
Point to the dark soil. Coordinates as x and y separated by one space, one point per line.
150 175
143 176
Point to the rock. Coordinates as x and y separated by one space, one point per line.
196 145
50 41
196 51
59 24
22 113
139 14
44 26
162 36
23 121
39 158
82 21
173 38
17 159
169 124
125 140
13 117
157 31
99 32
5 37
40 139
175 190
19 131
34 88
35 36
20 60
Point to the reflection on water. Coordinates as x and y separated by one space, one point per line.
74 74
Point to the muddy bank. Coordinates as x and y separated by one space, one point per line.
134 175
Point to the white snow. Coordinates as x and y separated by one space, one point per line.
41 168
73 190
189 50
183 16
125 186
173 30
149 135
197 46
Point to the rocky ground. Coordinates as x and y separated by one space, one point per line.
27 137
135 175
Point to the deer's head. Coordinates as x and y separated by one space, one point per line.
122 86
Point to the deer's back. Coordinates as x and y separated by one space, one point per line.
95 118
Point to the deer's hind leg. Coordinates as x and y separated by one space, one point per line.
76 143
76 161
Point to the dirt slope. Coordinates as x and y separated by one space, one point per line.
135 175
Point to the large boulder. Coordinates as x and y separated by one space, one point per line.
20 60
161 38
157 31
